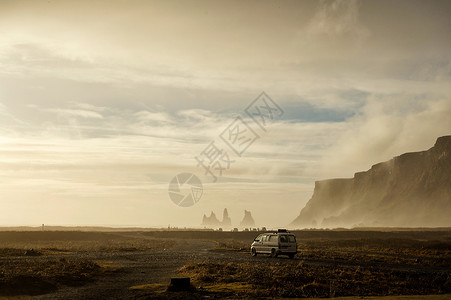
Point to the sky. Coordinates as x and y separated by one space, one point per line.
103 103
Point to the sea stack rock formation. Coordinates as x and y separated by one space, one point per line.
247 221
211 220
410 190
226 220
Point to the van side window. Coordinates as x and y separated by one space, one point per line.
291 239
265 238
272 238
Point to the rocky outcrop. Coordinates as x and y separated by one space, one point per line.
226 220
247 221
413 189
211 220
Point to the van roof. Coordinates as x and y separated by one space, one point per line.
279 233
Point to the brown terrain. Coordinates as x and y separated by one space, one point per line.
139 264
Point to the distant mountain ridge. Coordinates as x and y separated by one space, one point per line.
413 189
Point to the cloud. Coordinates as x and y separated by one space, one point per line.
154 117
89 107
2 108
9 122
107 117
75 113
196 114
388 126
336 19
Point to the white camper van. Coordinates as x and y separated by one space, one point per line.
275 243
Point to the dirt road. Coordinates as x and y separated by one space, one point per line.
97 265
133 268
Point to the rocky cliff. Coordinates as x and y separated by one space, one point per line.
413 189
247 221
212 220
226 220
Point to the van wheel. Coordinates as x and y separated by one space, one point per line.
291 255
253 252
274 253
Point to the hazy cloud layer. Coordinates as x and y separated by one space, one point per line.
102 103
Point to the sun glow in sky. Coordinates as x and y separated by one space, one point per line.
102 103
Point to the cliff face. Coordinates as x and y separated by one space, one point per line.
413 189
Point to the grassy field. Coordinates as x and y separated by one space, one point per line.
336 264
329 263
44 276
303 280
34 263
76 241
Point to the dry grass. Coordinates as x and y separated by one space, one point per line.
302 280
25 272
403 251
234 245
34 277
335 266
150 287
228 288
57 242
